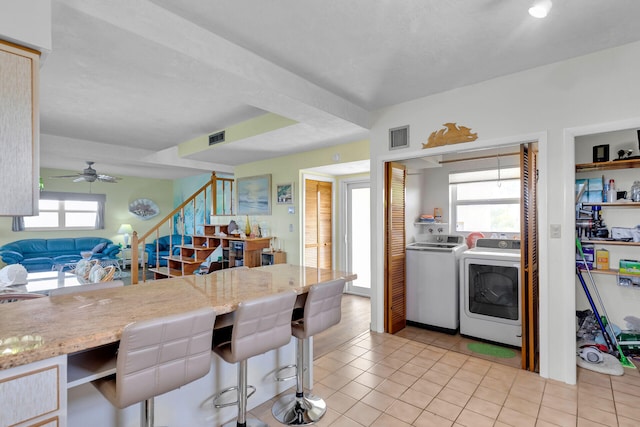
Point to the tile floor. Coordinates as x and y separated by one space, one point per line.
458 344
384 380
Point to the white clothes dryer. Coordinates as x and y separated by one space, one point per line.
490 292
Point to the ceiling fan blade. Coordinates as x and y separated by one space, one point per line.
65 176
107 178
80 179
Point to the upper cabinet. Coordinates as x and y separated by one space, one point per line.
19 130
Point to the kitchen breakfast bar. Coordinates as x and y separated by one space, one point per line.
51 348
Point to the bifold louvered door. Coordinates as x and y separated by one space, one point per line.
529 258
318 247
395 253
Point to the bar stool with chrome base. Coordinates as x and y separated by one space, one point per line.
159 355
259 325
322 309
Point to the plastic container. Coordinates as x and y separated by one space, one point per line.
635 191
612 194
602 259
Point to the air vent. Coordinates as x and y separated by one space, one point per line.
216 138
399 137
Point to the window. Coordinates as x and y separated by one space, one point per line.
487 201
67 211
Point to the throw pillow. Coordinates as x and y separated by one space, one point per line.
99 247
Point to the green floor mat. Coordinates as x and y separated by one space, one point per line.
491 350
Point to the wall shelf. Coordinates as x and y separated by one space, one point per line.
611 271
604 166
613 204
610 242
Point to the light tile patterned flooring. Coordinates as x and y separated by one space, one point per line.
384 380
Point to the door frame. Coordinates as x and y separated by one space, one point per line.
344 229
303 178
377 224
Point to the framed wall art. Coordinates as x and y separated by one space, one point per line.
254 195
284 193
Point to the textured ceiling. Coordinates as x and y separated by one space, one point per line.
127 82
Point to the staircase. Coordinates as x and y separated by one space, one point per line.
190 219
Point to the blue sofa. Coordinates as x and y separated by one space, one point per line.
160 248
42 254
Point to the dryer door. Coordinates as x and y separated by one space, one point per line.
493 289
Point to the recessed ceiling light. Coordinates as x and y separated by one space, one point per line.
540 9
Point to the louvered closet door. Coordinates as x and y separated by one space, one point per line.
318 245
529 270
395 243
325 246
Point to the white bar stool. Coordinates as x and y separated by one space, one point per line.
159 355
322 309
259 325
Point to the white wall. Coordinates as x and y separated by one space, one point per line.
27 23
551 104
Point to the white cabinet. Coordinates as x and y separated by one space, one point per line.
34 394
19 130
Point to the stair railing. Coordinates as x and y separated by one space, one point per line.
168 223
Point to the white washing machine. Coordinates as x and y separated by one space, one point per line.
490 290
432 282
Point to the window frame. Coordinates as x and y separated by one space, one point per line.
454 202
61 198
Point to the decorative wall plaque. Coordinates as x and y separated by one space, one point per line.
144 209
451 134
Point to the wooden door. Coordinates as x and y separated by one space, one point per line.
529 270
395 304
318 247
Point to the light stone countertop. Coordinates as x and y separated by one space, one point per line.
41 328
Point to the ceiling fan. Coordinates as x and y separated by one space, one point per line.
90 175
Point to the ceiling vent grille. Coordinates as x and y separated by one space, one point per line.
399 137
216 138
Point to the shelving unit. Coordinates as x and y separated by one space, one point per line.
236 252
603 166
271 258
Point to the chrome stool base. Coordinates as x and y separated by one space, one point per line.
250 422
299 411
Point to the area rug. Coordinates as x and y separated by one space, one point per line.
491 350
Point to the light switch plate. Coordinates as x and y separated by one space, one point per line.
292 210
555 231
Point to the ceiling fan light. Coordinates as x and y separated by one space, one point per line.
540 9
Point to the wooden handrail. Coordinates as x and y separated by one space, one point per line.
138 242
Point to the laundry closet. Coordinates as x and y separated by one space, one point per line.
455 282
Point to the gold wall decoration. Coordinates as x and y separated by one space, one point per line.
451 134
